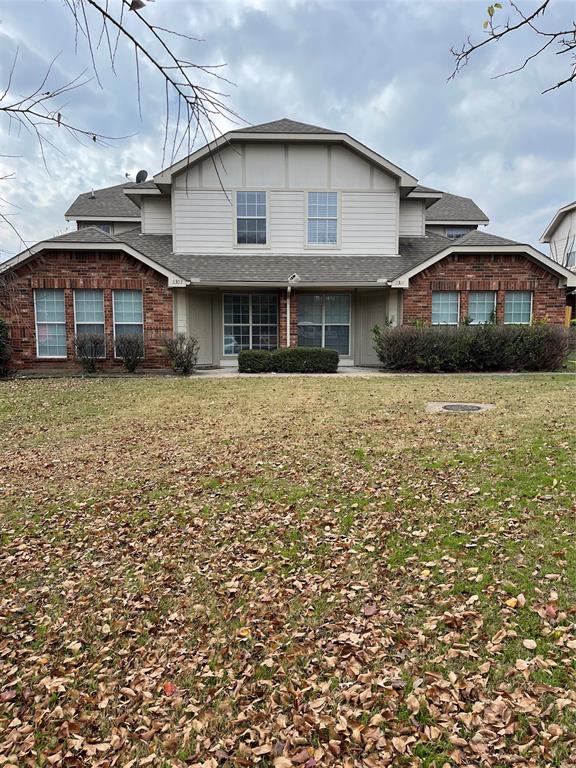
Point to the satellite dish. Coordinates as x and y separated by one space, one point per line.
141 177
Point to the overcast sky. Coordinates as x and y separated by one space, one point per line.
376 70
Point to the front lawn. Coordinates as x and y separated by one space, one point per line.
287 571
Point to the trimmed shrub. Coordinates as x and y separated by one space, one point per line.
90 347
4 349
255 361
182 351
289 360
130 348
305 360
486 347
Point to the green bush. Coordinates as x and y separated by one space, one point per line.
473 348
4 349
255 361
289 360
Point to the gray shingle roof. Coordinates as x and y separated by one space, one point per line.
284 125
454 208
109 201
269 268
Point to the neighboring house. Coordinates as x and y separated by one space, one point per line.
560 234
280 234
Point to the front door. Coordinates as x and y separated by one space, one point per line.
200 324
371 310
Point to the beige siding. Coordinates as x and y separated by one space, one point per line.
411 218
563 239
156 215
204 223
123 226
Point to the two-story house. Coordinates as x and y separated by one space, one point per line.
280 234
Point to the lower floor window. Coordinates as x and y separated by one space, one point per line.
482 307
128 315
89 322
50 323
324 321
518 307
250 322
445 307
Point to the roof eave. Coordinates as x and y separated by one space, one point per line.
558 216
103 218
456 222
174 280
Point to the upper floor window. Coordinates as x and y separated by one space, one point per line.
518 307
455 232
445 307
50 323
482 307
251 218
322 218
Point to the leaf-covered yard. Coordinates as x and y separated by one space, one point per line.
287 571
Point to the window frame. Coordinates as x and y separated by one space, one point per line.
235 242
101 290
529 321
250 324
323 323
439 325
50 357
307 218
124 290
482 322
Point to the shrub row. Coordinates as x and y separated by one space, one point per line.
473 348
288 360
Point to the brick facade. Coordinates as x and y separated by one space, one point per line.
283 319
71 270
486 272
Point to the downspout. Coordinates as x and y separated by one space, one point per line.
288 303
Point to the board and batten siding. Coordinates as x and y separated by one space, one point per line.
412 222
156 215
204 223
204 215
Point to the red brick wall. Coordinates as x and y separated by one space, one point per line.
86 269
486 272
283 321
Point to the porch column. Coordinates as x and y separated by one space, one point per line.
283 319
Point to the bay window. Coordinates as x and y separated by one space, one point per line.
324 321
250 322
50 313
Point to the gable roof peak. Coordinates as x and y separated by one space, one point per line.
284 125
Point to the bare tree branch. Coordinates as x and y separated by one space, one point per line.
564 39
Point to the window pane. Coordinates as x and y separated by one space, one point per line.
337 337
50 306
51 340
127 307
455 232
322 231
482 306
337 309
517 307
444 308
89 306
251 231
236 309
309 308
236 338
309 335
129 329
264 322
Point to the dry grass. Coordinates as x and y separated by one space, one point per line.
287 571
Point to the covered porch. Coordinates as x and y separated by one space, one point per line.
228 319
